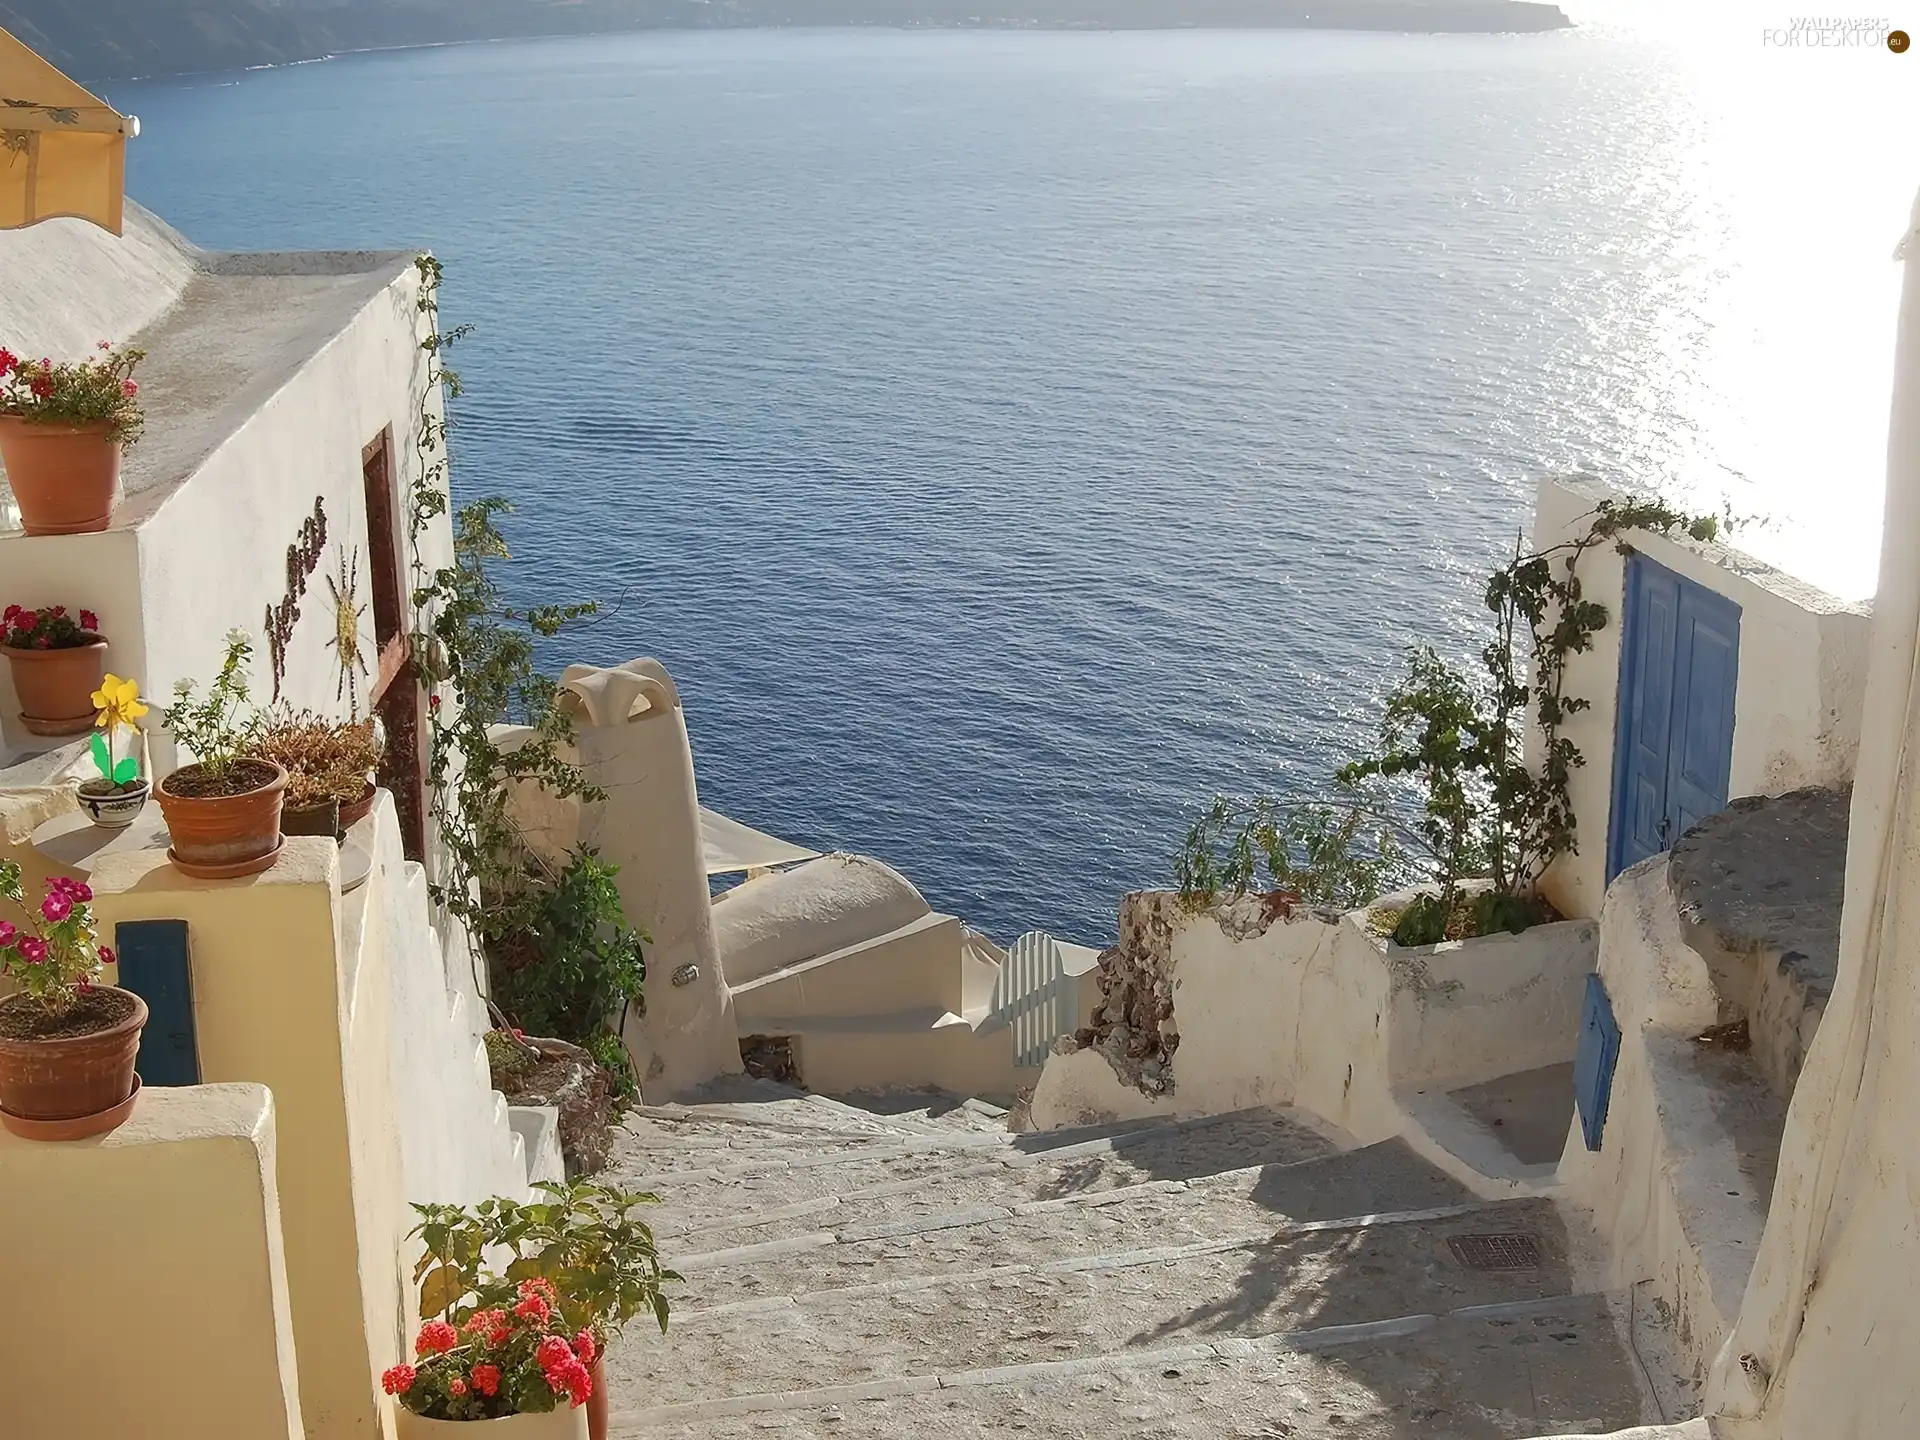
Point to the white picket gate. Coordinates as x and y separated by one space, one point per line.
1034 996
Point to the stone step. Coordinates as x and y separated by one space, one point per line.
1468 1373
1098 1158
955 1297
1386 1176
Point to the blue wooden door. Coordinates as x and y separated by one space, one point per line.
1673 749
155 965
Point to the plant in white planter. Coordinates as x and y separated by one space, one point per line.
509 1366
116 795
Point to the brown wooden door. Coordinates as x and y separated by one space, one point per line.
399 698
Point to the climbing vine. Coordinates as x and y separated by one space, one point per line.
556 930
1458 743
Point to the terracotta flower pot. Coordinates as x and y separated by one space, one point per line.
321 819
66 477
217 837
597 1401
565 1423
56 686
354 811
72 1086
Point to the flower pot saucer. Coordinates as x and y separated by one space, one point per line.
356 865
79 1127
232 871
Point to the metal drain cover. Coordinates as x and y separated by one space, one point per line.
1495 1252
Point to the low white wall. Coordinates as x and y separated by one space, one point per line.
1321 1014
1665 1189
813 909
1802 677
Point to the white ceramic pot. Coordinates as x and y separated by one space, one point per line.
565 1423
113 809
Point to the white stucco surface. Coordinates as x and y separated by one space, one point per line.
1320 1014
1673 1189
792 915
268 376
1797 706
1828 1331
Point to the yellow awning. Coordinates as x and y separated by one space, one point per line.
62 152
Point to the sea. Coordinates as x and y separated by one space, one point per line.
1011 440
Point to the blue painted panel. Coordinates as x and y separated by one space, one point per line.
1673 746
155 965
1594 1061
1707 674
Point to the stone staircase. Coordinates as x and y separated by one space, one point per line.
908 1267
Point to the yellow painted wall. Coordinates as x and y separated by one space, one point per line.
145 1283
271 1006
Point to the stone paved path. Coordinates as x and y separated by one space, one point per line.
912 1269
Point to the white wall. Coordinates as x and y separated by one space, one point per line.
1323 1015
1801 680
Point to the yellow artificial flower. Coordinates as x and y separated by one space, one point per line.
118 703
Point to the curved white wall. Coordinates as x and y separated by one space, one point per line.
813 909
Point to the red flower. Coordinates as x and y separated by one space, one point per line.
107 957
56 611
89 620
491 1324
433 702
552 1353
43 643
32 949
573 1378
534 1308
486 1379
435 1336
12 612
7 361
456 1386
584 1346
129 389
56 907
398 1380
41 385
7 932
104 345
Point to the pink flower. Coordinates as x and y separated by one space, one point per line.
77 891
456 1386
107 957
435 1337
7 932
533 1307
32 949
56 907
552 1353
584 1346
398 1379
104 345
573 1378
129 389
486 1379
89 620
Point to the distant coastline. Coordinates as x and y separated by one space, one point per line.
127 39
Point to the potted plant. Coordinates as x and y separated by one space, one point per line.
62 429
581 1242
329 765
511 1368
58 661
223 811
67 1043
117 795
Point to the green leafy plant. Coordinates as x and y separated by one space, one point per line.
563 956
581 1238
576 960
221 727
1337 855
97 390
1454 746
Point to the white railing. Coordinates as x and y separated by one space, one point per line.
1034 997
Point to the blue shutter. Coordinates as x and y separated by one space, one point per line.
154 964
1707 672
1593 1062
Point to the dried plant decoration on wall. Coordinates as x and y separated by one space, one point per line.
303 558
347 615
